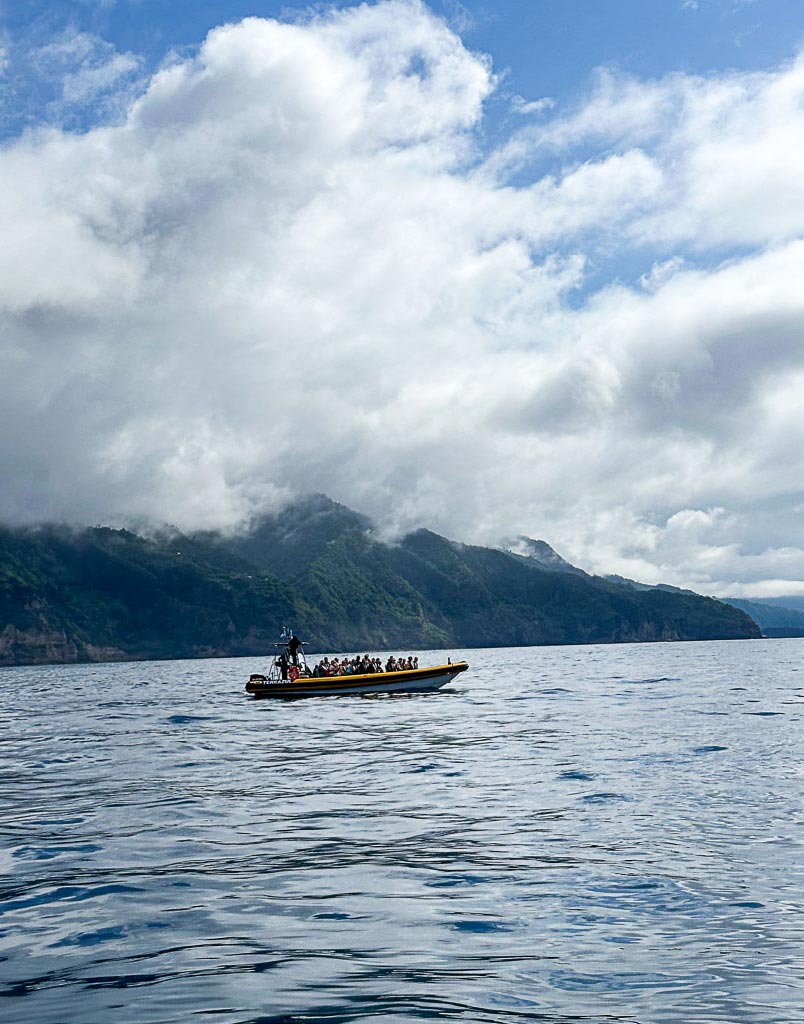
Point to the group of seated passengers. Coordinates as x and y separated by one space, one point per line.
362 666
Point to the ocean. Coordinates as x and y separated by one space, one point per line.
566 834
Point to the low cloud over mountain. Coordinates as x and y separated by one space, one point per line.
293 261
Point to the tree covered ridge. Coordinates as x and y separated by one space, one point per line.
103 594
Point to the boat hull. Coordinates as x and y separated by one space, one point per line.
417 680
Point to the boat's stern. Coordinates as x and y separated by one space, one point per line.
256 681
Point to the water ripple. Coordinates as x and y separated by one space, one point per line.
599 835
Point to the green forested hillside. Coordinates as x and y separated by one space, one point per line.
100 593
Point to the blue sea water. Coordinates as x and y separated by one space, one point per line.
578 834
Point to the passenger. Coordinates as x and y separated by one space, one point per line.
390 665
416 662
282 662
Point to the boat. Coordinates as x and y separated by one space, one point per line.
289 676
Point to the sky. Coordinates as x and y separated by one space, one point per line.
493 268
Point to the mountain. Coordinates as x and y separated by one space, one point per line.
286 542
774 619
102 594
775 616
793 601
541 552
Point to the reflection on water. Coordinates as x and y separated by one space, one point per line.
566 834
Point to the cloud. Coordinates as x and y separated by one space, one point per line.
523 106
287 264
72 81
85 66
729 147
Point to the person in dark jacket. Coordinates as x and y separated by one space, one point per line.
294 646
